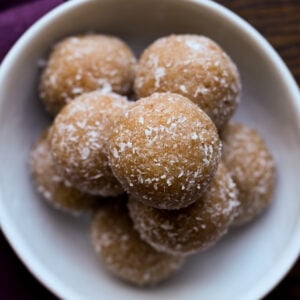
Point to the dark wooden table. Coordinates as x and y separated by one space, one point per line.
279 22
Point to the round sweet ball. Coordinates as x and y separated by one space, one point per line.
191 229
165 151
51 185
79 138
81 64
252 167
195 67
123 252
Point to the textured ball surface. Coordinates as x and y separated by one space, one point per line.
191 229
79 138
165 151
51 186
252 168
83 64
123 252
195 67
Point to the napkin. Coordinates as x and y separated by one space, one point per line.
16 16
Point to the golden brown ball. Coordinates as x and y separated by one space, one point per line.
195 67
191 229
85 63
51 185
79 138
165 151
252 167
123 252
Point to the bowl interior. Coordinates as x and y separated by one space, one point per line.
247 261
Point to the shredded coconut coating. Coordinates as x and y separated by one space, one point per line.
195 67
51 185
123 252
79 138
85 63
191 229
165 151
252 167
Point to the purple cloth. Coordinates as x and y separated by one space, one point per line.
14 20
15 280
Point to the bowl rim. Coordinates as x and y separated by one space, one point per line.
291 252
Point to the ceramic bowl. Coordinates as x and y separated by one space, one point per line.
248 262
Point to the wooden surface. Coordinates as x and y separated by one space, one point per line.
276 20
279 22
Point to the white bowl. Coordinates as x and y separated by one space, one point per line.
248 262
